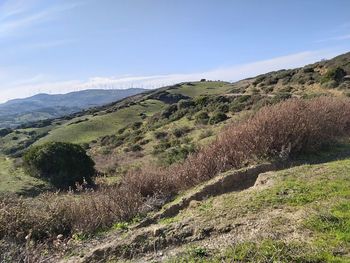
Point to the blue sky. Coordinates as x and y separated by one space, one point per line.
56 46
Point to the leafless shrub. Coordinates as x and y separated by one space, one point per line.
287 128
49 215
279 131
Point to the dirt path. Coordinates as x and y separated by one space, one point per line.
151 237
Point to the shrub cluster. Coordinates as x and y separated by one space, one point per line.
61 164
52 214
5 131
286 128
333 74
279 131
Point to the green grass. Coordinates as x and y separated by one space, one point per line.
332 225
106 124
202 88
264 251
14 180
20 136
12 140
321 190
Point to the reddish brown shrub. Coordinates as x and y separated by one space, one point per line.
148 181
278 131
274 132
49 215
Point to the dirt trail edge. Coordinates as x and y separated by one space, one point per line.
144 238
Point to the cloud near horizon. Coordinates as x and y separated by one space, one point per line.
40 84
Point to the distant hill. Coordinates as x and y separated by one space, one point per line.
297 214
44 106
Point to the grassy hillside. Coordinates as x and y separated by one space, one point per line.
93 127
44 106
202 88
14 180
155 127
299 214
154 149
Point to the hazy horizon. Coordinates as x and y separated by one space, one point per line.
57 47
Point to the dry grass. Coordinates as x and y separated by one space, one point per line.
279 131
49 215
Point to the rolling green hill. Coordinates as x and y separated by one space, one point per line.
294 210
44 106
166 124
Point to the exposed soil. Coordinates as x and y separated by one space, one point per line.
155 240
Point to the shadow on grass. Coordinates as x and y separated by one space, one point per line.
329 153
36 190
337 151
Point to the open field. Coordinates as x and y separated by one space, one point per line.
195 89
14 180
97 126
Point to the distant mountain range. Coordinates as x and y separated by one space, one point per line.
44 106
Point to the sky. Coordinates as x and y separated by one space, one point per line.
57 46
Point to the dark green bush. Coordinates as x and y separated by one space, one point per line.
244 98
181 131
136 125
61 164
121 130
202 118
217 117
176 154
223 108
258 79
167 97
143 115
202 101
237 106
185 104
5 131
161 147
336 74
220 99
168 111
136 148
178 114
160 135
112 140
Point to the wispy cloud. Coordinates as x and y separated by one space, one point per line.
18 15
15 7
41 83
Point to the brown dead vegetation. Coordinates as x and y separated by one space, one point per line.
275 132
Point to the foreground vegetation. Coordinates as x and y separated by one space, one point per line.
151 147
301 216
275 132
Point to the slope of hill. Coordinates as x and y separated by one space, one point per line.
304 207
45 106
298 214
165 125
